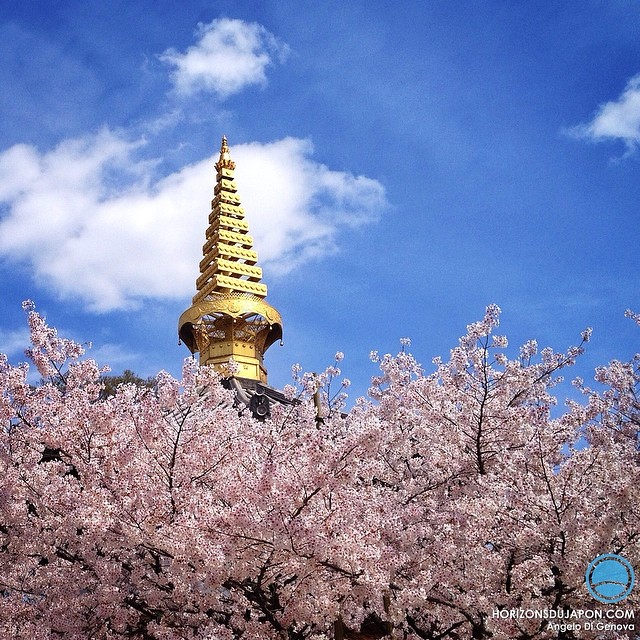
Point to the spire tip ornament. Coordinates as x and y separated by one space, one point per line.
225 162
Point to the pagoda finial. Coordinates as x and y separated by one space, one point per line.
225 162
229 320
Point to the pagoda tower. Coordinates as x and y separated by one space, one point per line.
229 319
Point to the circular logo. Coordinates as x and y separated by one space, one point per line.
610 578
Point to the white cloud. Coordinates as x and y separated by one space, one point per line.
616 120
117 356
14 343
93 223
228 56
296 206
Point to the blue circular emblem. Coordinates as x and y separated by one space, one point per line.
610 578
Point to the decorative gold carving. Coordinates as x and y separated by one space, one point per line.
212 250
233 223
234 304
243 239
225 161
201 335
239 268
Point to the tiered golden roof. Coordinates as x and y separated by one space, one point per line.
229 318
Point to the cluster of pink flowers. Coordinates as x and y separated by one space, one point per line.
161 512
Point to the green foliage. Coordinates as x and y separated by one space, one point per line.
111 383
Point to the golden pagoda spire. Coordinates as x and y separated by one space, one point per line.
229 318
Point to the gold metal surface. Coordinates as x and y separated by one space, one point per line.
234 304
229 323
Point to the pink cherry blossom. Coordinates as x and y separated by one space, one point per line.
449 497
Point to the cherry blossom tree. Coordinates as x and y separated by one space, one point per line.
448 498
501 506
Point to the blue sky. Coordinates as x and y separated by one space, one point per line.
401 165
